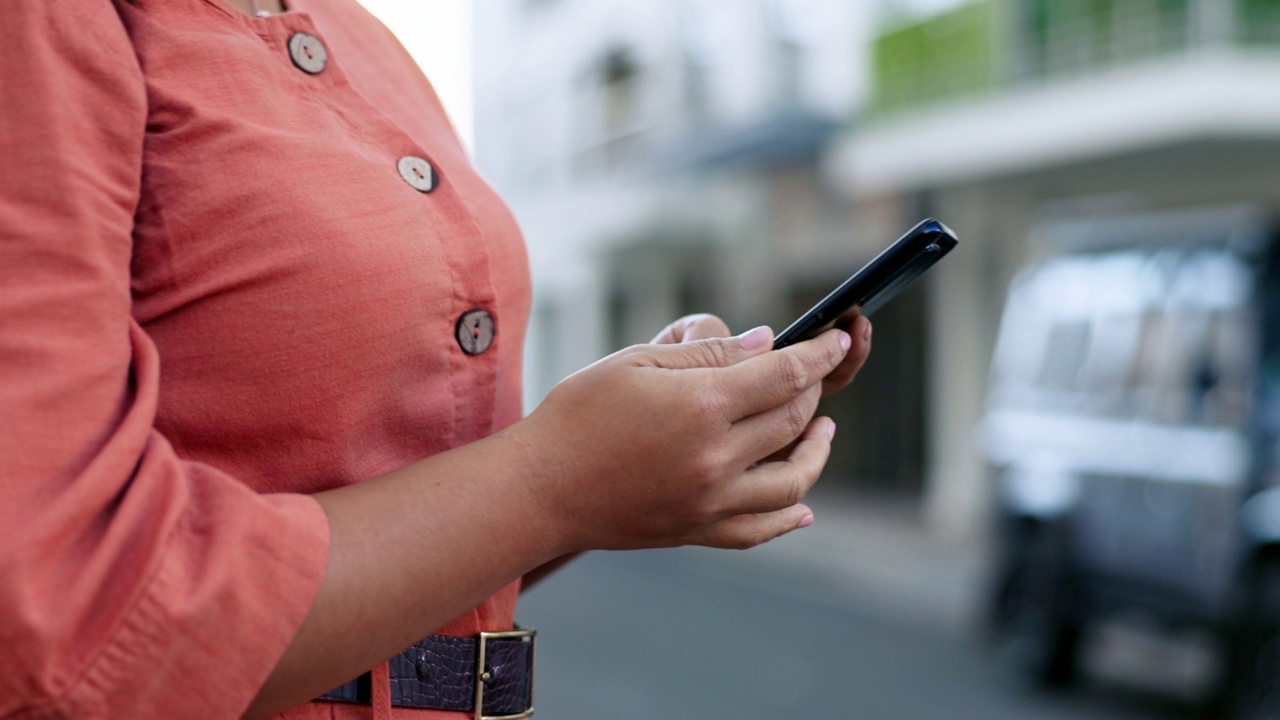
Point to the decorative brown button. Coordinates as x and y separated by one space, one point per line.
308 53
418 173
475 331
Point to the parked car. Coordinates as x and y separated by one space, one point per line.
1134 425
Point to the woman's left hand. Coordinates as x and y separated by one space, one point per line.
703 326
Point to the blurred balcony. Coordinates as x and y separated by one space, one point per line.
996 87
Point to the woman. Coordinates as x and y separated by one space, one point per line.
260 332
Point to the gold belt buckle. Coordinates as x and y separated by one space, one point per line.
482 675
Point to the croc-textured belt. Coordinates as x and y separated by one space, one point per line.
490 675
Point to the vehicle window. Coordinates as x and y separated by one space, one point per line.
1108 370
1194 356
1163 337
1222 380
1067 345
1159 382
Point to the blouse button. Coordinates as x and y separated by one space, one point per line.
307 53
475 330
418 173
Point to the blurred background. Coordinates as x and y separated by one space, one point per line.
1052 494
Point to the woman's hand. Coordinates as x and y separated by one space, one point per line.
702 326
859 328
661 445
656 445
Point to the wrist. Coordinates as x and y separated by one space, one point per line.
539 485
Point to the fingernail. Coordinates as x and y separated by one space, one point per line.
845 341
866 334
831 429
754 338
805 521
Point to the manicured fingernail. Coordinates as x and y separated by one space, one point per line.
754 338
845 341
866 334
831 429
805 521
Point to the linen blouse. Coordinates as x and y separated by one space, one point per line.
219 294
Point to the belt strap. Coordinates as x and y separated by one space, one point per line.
439 673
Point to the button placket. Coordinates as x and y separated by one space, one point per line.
475 329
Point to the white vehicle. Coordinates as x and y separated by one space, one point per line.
1133 421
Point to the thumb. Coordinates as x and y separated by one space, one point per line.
713 352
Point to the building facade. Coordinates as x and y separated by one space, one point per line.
741 157
667 158
1007 116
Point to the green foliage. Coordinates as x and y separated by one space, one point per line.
1259 21
945 56
985 44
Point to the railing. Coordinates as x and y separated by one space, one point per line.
991 44
1065 38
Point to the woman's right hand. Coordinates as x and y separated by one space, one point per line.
656 445
662 445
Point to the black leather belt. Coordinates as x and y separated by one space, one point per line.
490 675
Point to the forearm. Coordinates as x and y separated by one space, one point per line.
409 552
654 446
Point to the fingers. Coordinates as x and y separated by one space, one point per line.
763 434
692 327
769 380
741 532
769 495
859 329
712 352
774 485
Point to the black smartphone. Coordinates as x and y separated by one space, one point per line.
878 282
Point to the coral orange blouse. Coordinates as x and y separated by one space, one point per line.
234 253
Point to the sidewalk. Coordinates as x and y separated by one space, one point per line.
878 551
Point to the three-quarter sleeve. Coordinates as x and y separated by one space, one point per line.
133 583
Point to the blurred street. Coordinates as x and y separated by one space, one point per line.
860 616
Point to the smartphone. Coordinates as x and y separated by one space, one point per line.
878 282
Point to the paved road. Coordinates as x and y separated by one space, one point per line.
694 633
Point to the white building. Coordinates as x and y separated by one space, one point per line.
664 158
743 156
1038 110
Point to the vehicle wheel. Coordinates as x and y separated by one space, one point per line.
1036 624
1253 681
